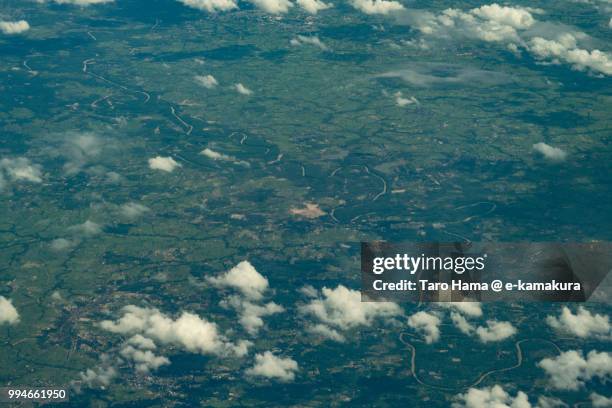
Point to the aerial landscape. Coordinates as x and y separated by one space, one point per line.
185 186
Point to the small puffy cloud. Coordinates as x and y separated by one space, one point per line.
472 309
241 89
341 309
270 366
88 228
313 6
143 343
245 278
427 323
599 401
583 324
62 244
309 291
188 331
80 150
133 210
144 360
495 331
167 164
210 5
550 402
401 101
491 397
207 81
14 27
8 313
100 376
549 152
461 323
314 40
273 7
214 155
570 370
251 313
19 169
326 332
516 17
377 6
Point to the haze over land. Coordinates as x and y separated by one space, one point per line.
184 186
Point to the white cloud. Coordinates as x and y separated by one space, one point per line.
20 169
250 313
211 154
100 376
207 81
326 332
377 6
472 309
62 244
242 89
133 210
88 228
270 366
401 101
313 40
210 5
515 26
245 278
495 331
313 6
143 343
214 155
167 164
427 323
14 27
582 324
189 331
79 150
570 370
273 7
599 401
549 152
488 23
550 402
341 308
491 397
144 360
462 324
8 313
565 49
516 17
309 290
